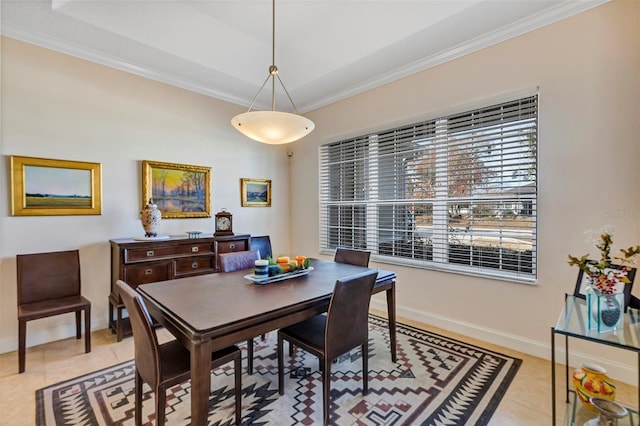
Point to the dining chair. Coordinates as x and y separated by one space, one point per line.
263 245
163 366
237 260
352 256
344 327
49 284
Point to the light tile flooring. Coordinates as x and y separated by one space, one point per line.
526 403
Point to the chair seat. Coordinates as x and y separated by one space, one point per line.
310 331
46 308
175 359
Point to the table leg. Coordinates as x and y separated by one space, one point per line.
391 313
553 376
200 383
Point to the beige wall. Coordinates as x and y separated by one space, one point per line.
586 68
56 106
587 71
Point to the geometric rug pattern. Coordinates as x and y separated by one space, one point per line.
435 381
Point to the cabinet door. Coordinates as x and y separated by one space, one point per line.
194 266
134 275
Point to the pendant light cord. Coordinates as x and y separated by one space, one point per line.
273 70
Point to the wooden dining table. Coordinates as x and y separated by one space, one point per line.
210 312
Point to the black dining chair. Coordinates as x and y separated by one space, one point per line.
263 245
344 327
352 256
163 366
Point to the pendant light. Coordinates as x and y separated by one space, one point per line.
273 127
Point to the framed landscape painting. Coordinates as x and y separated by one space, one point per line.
179 190
47 187
255 192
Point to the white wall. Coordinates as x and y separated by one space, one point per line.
586 68
56 106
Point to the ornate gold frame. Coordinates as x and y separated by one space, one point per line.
246 200
201 206
66 174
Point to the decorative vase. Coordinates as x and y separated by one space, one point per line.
609 412
591 381
605 310
150 217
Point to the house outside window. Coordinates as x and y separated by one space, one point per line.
456 193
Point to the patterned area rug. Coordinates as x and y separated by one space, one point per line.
436 381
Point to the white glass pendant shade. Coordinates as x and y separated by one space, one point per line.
272 127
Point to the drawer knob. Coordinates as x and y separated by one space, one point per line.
194 265
148 271
150 253
194 249
232 246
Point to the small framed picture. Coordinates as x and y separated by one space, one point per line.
179 190
583 281
255 192
46 187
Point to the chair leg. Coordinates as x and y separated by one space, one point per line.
22 344
161 401
365 369
250 356
237 365
138 399
281 364
78 325
87 329
326 389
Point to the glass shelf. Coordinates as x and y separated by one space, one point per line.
573 322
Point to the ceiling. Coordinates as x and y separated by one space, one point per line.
326 50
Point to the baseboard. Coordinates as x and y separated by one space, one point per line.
626 373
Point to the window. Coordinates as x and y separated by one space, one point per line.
455 193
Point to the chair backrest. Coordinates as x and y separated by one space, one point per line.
46 276
263 245
352 256
145 340
237 260
348 314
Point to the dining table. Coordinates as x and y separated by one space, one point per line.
209 312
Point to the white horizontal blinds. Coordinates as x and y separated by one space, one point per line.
343 176
457 192
492 187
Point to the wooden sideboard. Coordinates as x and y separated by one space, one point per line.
141 262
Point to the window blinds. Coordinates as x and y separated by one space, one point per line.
455 193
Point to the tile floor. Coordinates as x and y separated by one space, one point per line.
527 402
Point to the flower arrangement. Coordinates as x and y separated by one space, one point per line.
603 276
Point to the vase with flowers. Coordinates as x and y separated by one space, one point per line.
606 280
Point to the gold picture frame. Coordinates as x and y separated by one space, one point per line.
179 190
255 192
48 187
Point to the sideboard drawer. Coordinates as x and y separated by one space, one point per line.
231 246
194 265
150 253
134 275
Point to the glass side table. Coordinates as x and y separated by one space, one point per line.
573 323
